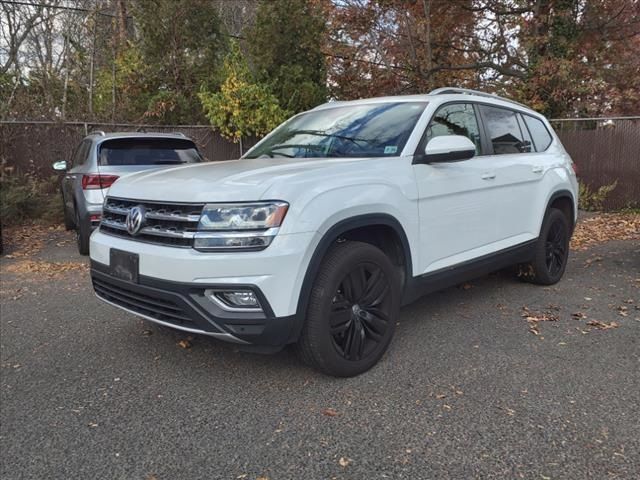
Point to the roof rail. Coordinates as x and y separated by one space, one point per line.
97 132
179 133
468 91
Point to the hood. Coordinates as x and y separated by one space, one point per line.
224 181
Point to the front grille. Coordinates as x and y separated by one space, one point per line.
159 308
172 224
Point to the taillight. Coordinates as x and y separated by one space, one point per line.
96 182
575 168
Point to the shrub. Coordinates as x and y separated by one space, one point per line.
593 200
25 197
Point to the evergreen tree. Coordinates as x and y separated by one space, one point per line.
286 51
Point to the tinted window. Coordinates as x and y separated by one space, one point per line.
148 151
503 130
456 119
528 142
365 130
539 133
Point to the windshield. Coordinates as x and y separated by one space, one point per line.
148 151
369 130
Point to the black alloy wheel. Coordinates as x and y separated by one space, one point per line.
352 310
551 253
360 312
555 248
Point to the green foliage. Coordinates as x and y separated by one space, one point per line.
132 96
593 200
286 50
24 197
243 106
180 48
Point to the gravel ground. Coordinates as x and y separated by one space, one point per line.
473 386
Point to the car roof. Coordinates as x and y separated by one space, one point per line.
439 97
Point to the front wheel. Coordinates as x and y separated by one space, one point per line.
551 251
353 309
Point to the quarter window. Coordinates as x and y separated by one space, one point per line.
503 131
539 133
80 155
455 119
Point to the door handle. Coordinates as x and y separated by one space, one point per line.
488 176
537 169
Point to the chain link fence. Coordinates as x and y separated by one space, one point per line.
606 150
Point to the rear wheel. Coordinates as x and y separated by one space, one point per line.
83 232
352 311
68 221
551 251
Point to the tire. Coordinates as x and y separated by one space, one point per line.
83 232
358 290
551 251
68 221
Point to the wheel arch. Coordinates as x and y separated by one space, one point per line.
381 226
564 201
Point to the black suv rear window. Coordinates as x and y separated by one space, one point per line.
148 151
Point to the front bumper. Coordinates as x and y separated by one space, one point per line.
183 306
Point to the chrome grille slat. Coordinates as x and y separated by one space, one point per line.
170 224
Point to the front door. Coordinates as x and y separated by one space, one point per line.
457 201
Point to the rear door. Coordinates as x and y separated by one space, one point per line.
74 173
518 172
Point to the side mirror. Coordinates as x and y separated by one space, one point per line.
60 166
448 148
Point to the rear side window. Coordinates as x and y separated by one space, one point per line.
455 119
539 133
148 151
81 153
504 131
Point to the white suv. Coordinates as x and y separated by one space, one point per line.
342 214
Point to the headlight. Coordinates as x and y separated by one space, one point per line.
250 216
251 226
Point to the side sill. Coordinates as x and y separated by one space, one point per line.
450 276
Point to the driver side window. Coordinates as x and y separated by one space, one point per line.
455 119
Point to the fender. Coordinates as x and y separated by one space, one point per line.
562 194
366 220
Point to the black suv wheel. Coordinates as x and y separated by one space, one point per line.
352 310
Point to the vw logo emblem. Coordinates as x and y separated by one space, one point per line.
135 220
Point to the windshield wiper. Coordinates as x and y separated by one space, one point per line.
292 145
331 135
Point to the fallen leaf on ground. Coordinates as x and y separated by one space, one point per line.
50 269
329 412
186 344
344 461
603 227
602 325
578 315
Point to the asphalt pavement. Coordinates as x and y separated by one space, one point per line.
491 379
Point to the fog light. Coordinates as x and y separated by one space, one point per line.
234 299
